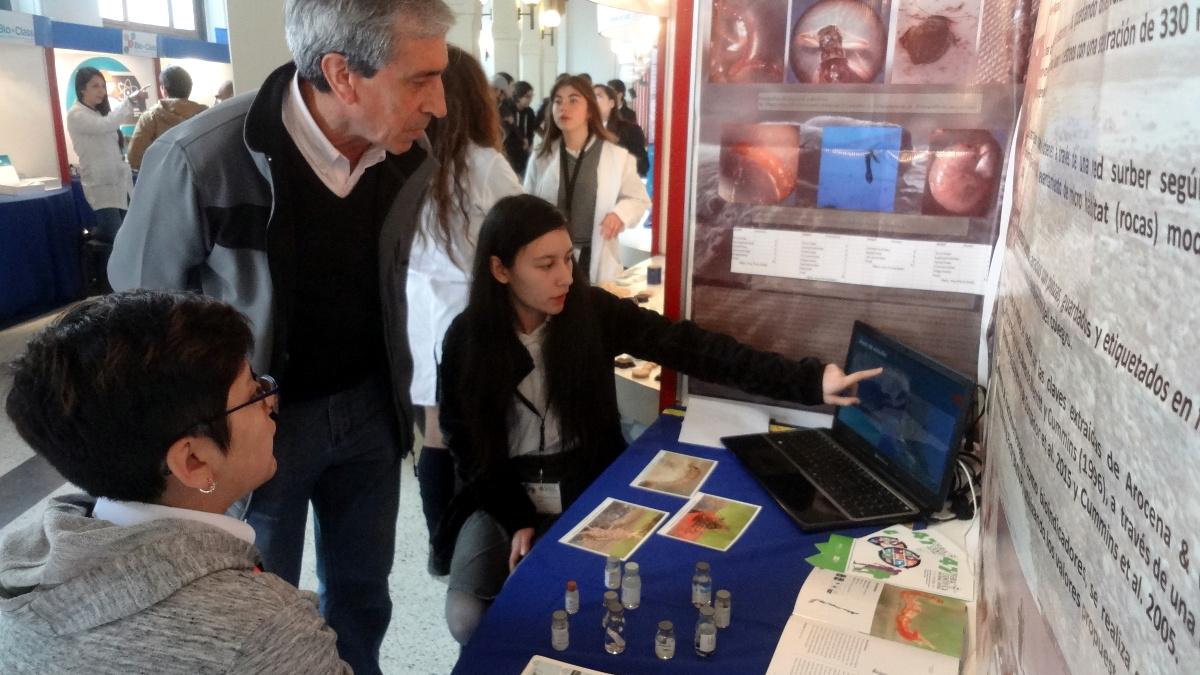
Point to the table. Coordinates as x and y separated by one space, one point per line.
763 570
40 238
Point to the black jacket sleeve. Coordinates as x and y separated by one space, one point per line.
717 358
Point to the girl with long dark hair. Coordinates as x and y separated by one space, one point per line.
472 174
595 182
629 135
528 402
95 132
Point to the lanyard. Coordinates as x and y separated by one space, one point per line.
562 161
541 421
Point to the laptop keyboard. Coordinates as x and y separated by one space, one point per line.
845 481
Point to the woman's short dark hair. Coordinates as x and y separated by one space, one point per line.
521 88
103 391
82 77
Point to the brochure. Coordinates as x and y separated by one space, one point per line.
843 623
540 665
922 560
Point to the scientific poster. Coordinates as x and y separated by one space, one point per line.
848 161
1093 426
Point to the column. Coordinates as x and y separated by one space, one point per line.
506 37
468 21
550 65
531 52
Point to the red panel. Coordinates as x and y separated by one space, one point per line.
681 94
60 134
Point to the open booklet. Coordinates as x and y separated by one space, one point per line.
540 665
844 625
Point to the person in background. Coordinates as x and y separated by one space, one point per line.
174 86
528 397
580 167
623 110
513 140
526 119
629 136
299 205
94 128
501 84
224 92
146 401
471 176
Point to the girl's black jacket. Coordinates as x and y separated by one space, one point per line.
626 329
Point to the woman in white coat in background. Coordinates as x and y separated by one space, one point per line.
594 181
95 132
473 174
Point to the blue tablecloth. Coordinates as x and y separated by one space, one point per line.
40 237
763 570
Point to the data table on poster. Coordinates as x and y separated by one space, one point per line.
872 261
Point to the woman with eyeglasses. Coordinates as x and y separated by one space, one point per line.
146 400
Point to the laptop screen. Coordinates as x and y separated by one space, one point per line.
912 416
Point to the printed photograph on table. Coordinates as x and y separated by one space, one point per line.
711 521
747 42
614 527
935 42
838 41
858 168
674 474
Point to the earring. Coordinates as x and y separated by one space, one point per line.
212 487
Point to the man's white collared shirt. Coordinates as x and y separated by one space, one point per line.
331 166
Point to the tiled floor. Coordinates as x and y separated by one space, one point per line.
417 642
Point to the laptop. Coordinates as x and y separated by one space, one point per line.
886 460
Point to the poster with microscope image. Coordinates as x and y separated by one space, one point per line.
847 164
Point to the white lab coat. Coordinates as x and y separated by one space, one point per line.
103 172
620 190
438 285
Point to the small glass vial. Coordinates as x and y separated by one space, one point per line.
609 596
723 606
571 598
664 641
612 573
614 629
706 632
702 585
631 586
560 637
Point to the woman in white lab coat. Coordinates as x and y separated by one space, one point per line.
577 148
95 133
473 174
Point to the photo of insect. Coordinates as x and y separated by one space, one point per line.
747 41
838 42
936 42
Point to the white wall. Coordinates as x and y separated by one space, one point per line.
256 41
586 51
28 129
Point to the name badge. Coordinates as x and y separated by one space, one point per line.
546 497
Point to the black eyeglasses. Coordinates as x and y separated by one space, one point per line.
267 387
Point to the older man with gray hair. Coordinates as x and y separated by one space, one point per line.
297 204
